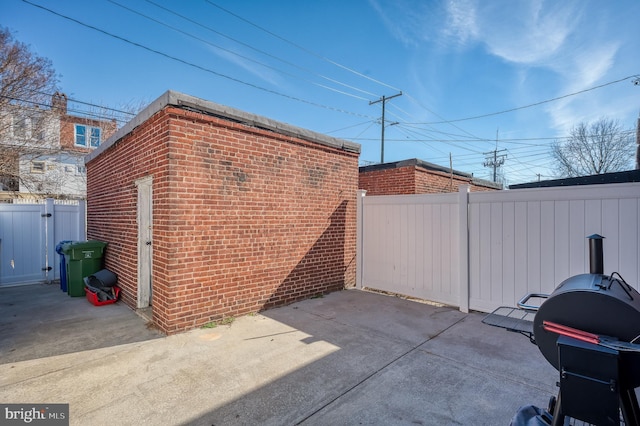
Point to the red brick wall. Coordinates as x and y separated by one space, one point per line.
244 219
431 181
388 181
112 200
412 180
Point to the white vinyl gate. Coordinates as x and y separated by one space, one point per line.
29 233
411 245
481 250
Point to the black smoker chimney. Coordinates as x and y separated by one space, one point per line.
596 261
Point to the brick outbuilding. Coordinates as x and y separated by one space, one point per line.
417 177
211 212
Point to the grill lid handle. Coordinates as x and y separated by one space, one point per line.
522 304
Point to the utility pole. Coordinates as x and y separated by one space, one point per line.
384 100
494 160
636 82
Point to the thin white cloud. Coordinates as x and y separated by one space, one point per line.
461 21
528 33
575 41
397 31
584 69
588 65
516 31
254 68
567 38
408 21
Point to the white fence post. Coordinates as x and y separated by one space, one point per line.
82 220
463 206
49 229
359 235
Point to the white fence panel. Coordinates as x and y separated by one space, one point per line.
410 244
528 241
482 250
22 254
69 224
29 233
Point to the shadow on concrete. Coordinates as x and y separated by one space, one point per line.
40 320
360 358
374 359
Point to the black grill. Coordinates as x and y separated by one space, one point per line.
588 328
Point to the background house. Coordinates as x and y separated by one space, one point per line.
417 177
43 149
212 212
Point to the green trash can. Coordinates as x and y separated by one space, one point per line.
82 258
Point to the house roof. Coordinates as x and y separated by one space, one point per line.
180 100
617 177
429 167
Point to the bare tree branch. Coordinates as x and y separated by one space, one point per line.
26 84
592 149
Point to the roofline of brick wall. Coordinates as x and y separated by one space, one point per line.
180 100
414 162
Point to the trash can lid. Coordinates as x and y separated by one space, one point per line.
84 250
89 243
60 245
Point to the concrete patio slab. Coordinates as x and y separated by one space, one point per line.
350 357
39 320
471 374
424 389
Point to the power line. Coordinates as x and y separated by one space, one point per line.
515 141
193 65
440 117
531 105
448 135
292 64
178 30
96 115
349 127
100 106
304 49
424 141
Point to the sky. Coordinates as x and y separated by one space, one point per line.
475 76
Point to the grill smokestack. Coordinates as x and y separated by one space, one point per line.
596 259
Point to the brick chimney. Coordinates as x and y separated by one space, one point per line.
59 103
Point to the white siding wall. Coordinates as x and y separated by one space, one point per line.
64 174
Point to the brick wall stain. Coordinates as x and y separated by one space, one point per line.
243 219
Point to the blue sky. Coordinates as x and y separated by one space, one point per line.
319 64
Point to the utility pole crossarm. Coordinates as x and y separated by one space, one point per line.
494 160
384 100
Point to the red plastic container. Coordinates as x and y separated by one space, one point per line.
93 297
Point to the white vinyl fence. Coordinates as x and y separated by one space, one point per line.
29 232
482 250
